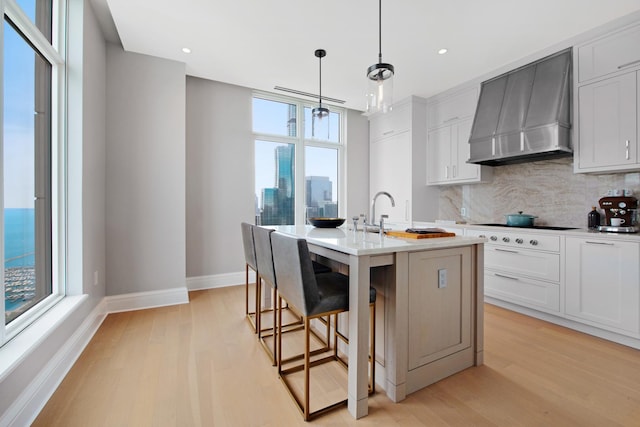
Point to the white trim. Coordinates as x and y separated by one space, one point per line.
218 280
28 405
142 300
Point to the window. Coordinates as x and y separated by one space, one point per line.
297 167
31 66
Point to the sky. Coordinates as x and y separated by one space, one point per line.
18 117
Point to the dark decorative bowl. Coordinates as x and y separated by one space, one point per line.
326 222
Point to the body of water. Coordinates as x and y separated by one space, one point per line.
19 251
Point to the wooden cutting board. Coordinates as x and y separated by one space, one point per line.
406 235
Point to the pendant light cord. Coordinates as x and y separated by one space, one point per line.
380 31
320 81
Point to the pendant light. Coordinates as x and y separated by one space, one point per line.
380 90
319 113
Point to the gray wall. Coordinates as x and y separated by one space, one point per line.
220 177
145 175
93 158
220 174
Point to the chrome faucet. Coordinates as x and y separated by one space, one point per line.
373 204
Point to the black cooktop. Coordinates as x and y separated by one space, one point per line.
539 227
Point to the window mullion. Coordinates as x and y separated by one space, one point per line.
299 172
31 32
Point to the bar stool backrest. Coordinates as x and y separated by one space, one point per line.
294 272
249 245
264 255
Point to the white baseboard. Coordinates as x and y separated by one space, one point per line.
142 300
218 280
28 405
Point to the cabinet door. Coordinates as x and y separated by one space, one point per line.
461 152
439 304
439 165
607 125
602 283
390 170
458 106
392 123
609 54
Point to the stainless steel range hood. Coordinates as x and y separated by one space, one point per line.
525 114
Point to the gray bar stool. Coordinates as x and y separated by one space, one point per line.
264 259
314 296
250 263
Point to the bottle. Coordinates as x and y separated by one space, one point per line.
593 218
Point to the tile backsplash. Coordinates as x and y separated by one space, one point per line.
547 189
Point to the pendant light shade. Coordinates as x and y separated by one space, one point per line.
380 77
320 113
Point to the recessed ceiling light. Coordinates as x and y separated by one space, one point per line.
442 51
186 50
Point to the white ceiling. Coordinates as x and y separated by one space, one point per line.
265 43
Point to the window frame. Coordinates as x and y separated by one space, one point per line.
55 53
300 143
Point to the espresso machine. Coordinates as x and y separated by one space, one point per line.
620 214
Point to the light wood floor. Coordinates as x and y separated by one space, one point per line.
200 365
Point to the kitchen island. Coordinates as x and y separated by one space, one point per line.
432 293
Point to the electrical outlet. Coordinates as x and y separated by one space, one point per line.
463 212
442 278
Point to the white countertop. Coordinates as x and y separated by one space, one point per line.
360 243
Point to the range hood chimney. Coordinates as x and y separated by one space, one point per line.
524 115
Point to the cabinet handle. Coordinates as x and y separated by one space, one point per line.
628 64
451 119
506 250
599 243
389 132
626 145
453 168
446 171
505 277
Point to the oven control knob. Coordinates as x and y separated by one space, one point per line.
519 241
622 212
533 242
505 239
494 238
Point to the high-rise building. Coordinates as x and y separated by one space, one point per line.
285 161
318 190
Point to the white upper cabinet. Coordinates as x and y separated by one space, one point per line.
449 121
459 106
396 121
616 52
607 126
397 150
606 113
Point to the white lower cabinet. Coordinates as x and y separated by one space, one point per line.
531 293
603 283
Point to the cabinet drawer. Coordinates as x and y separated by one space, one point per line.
458 106
527 292
616 52
538 241
386 125
532 264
